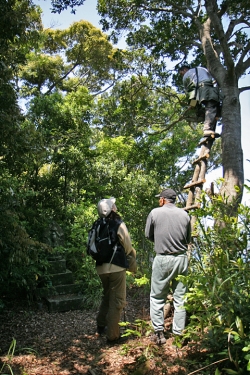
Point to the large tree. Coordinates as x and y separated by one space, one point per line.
19 28
212 33
181 30
66 59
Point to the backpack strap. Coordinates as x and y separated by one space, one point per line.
117 223
114 248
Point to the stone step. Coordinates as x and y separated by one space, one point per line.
64 303
57 266
62 278
57 290
67 289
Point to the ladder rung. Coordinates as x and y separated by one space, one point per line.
206 156
207 139
193 207
195 183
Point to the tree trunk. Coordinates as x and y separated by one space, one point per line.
226 76
232 155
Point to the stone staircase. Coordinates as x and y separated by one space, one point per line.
61 293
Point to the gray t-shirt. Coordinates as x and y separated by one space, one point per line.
169 228
190 76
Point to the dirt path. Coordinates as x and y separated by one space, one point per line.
66 344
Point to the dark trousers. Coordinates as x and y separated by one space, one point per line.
210 114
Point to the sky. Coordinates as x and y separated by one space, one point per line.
85 12
88 12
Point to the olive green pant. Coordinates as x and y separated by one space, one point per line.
113 301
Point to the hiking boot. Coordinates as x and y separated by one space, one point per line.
158 338
101 330
208 133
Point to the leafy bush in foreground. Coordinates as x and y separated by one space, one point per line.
219 284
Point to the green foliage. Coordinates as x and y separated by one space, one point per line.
219 284
71 149
138 328
7 364
76 253
20 25
142 281
176 29
67 59
10 354
67 157
203 33
23 259
59 5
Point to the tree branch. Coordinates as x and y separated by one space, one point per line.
210 52
231 27
212 11
104 90
172 124
243 65
177 10
198 9
223 9
211 364
61 79
245 88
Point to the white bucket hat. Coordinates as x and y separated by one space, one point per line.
105 206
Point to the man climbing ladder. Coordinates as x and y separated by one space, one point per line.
200 89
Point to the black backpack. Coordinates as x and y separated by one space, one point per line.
99 245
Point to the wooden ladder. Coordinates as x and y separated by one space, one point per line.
200 168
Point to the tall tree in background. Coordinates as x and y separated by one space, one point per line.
20 24
58 82
45 154
19 29
136 108
180 30
66 59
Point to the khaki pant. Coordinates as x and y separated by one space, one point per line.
113 301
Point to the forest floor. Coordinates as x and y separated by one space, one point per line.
67 344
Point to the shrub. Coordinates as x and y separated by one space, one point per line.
219 284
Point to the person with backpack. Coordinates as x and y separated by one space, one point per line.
199 87
169 228
114 254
